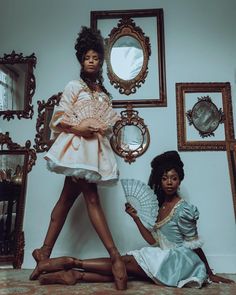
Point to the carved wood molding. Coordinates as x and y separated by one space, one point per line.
42 126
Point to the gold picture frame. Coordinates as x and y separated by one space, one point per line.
210 102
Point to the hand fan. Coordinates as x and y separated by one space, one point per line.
99 113
142 198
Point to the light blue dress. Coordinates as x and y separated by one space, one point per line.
171 261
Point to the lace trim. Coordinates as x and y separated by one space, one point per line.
95 94
168 218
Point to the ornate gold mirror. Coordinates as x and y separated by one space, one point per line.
43 132
205 116
17 85
15 163
131 136
127 55
135 56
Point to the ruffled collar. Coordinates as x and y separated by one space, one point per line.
169 216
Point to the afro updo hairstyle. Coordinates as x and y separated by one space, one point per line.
89 39
161 164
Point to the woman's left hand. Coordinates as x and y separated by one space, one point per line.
219 279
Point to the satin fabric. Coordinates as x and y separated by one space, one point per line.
172 261
71 155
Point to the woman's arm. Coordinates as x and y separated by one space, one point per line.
84 129
214 278
146 234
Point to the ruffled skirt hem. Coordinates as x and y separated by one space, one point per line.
91 176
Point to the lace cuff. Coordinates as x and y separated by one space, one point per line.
194 243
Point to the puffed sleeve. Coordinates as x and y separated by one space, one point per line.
69 96
187 223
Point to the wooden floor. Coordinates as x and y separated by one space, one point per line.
16 282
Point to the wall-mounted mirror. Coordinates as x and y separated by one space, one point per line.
138 76
17 85
43 132
127 56
15 163
131 136
205 116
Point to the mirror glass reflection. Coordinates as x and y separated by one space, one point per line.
12 86
127 57
11 176
131 137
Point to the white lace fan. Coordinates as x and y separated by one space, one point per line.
142 198
100 113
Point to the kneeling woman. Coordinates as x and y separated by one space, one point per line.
174 257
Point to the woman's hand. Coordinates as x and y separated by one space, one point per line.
131 211
219 279
85 129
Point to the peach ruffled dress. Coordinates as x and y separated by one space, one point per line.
89 158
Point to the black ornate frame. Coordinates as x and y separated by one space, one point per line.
17 254
30 84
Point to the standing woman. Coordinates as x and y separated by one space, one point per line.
82 152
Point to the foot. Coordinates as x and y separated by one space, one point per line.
65 277
42 253
52 265
119 272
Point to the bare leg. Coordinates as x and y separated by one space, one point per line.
97 265
71 277
62 270
104 266
59 213
100 224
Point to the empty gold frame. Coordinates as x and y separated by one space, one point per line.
15 164
141 31
43 139
127 55
17 85
131 137
207 107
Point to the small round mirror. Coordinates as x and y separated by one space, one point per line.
130 136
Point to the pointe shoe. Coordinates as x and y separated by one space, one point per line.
60 277
52 265
41 254
119 273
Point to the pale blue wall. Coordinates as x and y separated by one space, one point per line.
200 46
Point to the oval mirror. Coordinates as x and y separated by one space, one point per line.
127 55
130 136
